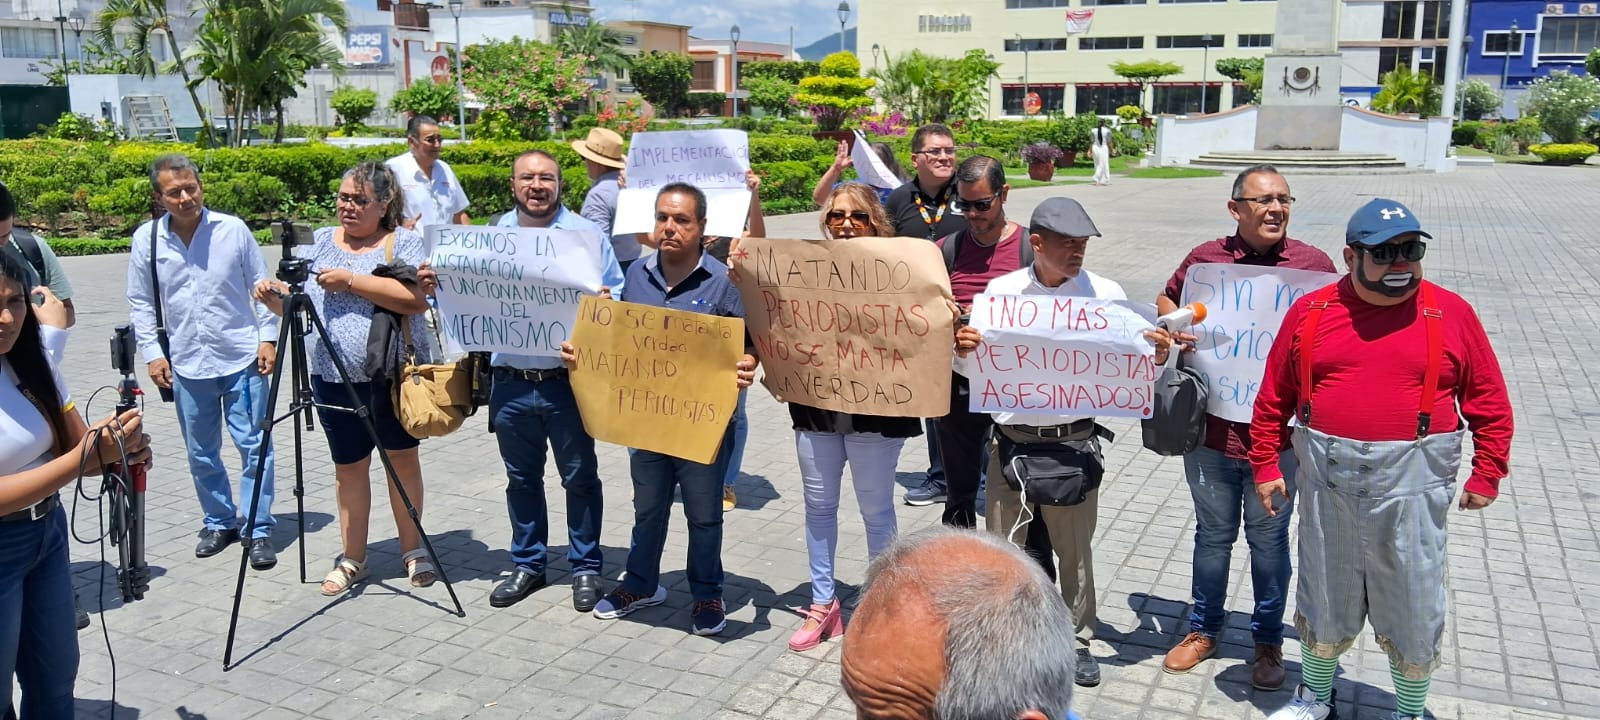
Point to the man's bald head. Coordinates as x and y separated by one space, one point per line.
958 625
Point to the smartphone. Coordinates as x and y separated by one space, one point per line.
300 234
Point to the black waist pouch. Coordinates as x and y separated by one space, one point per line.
1052 473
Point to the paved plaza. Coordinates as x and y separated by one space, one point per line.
1518 242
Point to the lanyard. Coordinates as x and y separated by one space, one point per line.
933 222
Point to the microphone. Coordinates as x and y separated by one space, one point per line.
1182 317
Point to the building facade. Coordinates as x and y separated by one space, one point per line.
714 66
1513 42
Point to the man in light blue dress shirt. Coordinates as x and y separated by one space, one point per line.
222 347
532 406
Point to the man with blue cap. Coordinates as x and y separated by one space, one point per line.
1384 373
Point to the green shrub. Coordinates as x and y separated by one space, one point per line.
248 195
74 247
50 205
1563 153
122 205
779 149
1465 133
785 179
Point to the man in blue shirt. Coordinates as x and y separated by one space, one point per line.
680 276
603 159
200 266
532 405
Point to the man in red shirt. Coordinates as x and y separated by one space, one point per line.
1379 370
1219 473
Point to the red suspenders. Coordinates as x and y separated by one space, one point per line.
1431 317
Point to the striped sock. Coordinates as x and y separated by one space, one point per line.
1409 695
1316 673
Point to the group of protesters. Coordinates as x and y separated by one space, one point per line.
1373 478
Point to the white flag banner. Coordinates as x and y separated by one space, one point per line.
869 167
1078 20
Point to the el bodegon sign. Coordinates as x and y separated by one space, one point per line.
944 23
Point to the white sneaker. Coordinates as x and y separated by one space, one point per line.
1305 706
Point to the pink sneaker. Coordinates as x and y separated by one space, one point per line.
821 621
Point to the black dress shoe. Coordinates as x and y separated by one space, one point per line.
1087 674
214 541
83 616
513 589
262 556
585 592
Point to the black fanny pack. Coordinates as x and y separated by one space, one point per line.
1060 472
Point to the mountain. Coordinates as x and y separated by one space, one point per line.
820 49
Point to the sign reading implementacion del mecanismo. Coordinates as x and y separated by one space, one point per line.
944 23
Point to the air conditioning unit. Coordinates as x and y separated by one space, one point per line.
1554 9
1587 9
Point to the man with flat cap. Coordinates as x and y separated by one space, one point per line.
1059 232
1384 373
604 159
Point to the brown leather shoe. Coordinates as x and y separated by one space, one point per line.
1194 648
1266 670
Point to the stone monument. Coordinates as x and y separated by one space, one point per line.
1300 104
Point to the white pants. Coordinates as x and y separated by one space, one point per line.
872 459
1102 164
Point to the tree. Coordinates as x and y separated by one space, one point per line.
354 105
936 89
772 94
791 71
526 80
1478 98
259 52
1401 91
1591 64
1246 71
600 45
1562 102
426 97
836 91
663 78
1145 73
147 18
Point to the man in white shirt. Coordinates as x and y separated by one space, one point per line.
218 348
1059 233
433 194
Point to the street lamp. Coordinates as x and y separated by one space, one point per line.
844 14
733 33
461 91
875 51
76 21
1505 65
61 27
1023 46
1205 62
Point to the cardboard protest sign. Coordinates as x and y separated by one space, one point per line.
858 326
656 379
511 289
1245 305
712 160
1064 356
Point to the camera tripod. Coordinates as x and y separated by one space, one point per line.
124 485
299 315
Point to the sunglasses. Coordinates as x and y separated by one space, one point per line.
983 205
836 218
1386 254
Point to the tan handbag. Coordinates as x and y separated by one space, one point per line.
433 399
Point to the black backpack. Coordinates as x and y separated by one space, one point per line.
1177 423
29 246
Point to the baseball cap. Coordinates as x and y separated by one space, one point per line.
1064 217
1380 221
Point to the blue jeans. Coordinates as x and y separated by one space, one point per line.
526 416
935 463
1224 488
204 405
654 478
38 633
741 432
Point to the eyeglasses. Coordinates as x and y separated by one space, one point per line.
432 140
936 152
1386 254
983 205
836 218
356 200
1268 200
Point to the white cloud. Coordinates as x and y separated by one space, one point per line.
765 21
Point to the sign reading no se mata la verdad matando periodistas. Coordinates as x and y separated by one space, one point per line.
713 160
511 289
1245 305
1062 356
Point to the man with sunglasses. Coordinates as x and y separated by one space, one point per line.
433 194
1379 370
1218 472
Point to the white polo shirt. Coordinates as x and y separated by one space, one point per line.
434 201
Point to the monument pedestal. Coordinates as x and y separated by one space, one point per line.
1300 106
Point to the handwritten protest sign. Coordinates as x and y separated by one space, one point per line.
712 160
656 379
1065 356
857 326
511 289
1245 305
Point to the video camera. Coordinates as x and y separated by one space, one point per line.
291 269
124 486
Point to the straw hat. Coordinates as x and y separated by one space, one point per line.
601 146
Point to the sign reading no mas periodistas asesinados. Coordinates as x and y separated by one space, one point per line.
512 289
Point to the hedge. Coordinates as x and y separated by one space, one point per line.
1563 153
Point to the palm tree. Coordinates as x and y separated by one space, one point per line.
602 45
147 17
1403 91
259 51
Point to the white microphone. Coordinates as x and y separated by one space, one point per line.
1182 317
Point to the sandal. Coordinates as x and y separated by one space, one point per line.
345 573
418 568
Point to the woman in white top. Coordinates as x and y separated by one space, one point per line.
1101 150
44 446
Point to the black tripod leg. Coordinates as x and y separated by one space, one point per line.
301 389
363 412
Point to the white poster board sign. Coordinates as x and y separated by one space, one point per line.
713 160
1245 305
1064 356
511 289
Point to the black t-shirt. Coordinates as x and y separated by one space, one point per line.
812 419
927 221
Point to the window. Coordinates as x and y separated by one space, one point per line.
705 75
1502 42
1569 35
1104 99
1111 43
1036 44
1390 58
1435 20
1092 3
1032 4
1400 20
622 73
1260 40
1051 98
1183 99
630 40
1170 2
27 43
1242 95
1169 42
